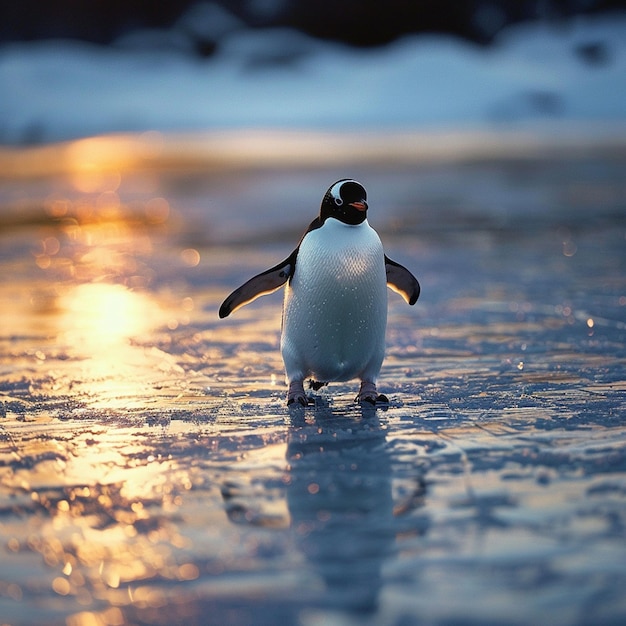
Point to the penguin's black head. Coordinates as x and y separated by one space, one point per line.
345 200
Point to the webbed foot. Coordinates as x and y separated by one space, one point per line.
296 394
369 394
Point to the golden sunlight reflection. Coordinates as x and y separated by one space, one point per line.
95 239
97 163
98 323
95 255
108 516
98 318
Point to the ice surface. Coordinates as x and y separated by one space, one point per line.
150 472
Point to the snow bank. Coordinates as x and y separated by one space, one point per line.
59 90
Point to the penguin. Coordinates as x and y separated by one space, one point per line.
335 306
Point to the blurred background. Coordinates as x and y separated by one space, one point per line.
355 22
70 69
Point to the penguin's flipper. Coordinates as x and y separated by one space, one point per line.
400 280
259 285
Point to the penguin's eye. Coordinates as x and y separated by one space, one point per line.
338 201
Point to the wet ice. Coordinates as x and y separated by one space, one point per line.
149 471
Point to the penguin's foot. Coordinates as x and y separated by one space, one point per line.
296 394
316 385
368 394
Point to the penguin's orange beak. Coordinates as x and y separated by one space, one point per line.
361 206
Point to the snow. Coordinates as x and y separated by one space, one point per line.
276 78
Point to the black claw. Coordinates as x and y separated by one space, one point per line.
379 399
365 399
301 400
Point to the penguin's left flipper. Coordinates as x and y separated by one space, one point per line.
402 281
259 285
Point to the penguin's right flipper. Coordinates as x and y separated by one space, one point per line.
259 285
400 280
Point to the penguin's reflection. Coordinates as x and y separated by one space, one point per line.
339 496
338 491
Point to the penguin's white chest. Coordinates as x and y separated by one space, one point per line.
335 309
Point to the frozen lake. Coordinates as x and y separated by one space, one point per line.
150 472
